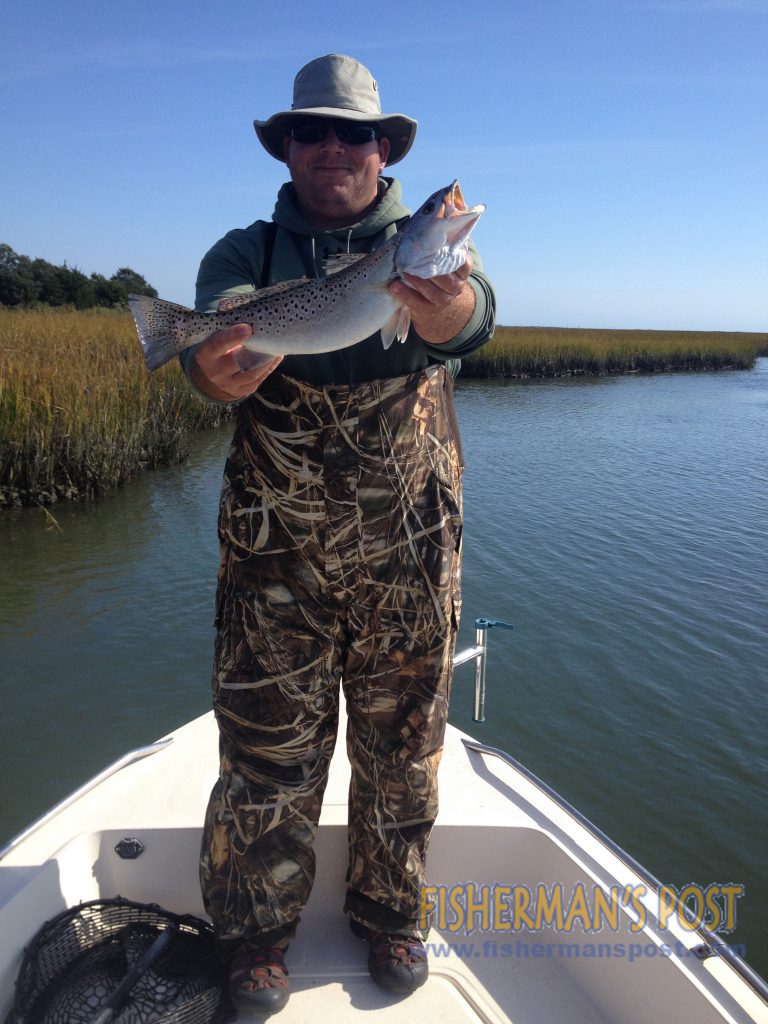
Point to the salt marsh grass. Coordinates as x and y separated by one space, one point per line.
79 414
565 351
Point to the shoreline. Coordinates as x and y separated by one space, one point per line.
541 352
80 415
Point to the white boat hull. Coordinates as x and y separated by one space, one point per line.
496 828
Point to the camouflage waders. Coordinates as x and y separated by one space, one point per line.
340 528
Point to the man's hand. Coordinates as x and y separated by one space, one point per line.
215 368
440 306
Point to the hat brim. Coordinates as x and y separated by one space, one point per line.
397 128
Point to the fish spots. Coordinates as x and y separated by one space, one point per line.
318 315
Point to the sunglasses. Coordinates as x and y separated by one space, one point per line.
351 134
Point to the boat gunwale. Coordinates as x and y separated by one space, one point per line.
712 945
127 759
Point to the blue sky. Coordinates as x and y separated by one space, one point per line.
621 146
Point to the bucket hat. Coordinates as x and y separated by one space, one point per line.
337 87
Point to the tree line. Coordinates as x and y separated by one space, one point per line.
32 282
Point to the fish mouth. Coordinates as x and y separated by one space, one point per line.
456 197
454 208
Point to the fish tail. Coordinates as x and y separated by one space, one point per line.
158 331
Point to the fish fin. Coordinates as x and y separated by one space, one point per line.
445 260
249 360
281 286
334 264
397 326
154 320
233 301
243 298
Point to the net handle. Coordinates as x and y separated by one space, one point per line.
115 1001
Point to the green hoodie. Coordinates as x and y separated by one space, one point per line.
235 265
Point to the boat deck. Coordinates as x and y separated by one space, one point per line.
494 828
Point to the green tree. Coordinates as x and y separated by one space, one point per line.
25 282
51 282
131 282
106 293
78 288
17 282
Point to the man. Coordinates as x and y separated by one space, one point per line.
340 530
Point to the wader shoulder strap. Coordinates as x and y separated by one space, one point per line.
270 232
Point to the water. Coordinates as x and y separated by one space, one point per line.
619 523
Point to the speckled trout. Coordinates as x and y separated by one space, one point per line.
347 305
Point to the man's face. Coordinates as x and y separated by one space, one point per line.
336 183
